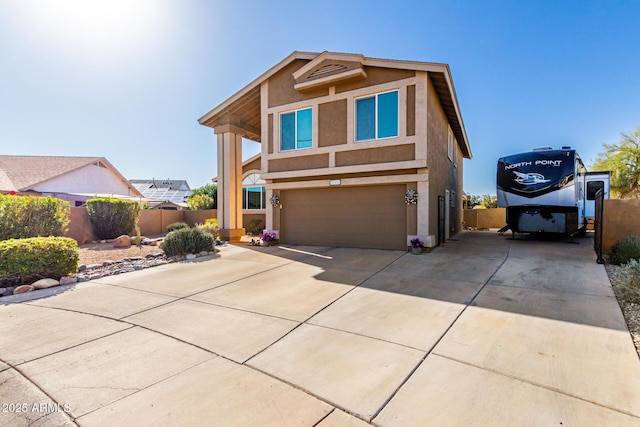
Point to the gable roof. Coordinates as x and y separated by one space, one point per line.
242 109
22 173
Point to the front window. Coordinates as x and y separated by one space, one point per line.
296 130
377 116
254 195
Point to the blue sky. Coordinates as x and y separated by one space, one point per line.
128 79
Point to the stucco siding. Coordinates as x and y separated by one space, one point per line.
332 123
299 163
394 153
376 76
443 175
281 86
89 179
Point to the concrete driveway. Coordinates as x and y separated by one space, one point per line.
485 331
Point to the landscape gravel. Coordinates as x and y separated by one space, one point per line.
630 311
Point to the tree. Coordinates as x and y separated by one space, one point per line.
200 202
485 201
209 202
623 160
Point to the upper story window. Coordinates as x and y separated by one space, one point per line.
450 152
377 116
455 156
296 130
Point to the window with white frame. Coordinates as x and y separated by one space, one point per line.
377 116
455 155
296 129
450 145
254 193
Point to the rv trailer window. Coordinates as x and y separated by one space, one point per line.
592 189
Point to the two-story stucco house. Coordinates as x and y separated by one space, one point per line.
356 151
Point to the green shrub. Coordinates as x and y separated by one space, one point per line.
31 216
200 202
112 218
209 228
625 250
187 241
34 258
628 284
211 221
176 226
254 226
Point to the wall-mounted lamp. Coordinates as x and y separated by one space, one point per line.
275 201
411 197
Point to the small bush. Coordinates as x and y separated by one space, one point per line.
187 241
211 221
209 228
200 202
628 284
254 226
111 217
176 226
625 250
31 216
31 259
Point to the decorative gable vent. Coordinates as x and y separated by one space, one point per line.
327 69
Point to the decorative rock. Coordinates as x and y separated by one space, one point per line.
83 278
95 276
138 267
135 258
8 291
190 256
2 291
123 241
82 267
93 266
158 255
107 263
149 256
204 253
45 283
22 289
68 280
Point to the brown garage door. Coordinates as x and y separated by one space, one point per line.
360 217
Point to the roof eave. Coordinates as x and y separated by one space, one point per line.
255 83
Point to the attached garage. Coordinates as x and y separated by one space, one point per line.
360 217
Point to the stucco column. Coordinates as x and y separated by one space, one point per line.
230 185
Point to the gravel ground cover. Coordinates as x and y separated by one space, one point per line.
97 253
631 311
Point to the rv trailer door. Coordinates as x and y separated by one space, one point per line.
593 182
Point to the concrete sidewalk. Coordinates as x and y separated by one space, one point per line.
485 331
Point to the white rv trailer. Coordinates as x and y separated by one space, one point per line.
548 191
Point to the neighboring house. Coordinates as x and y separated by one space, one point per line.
170 194
356 151
74 179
